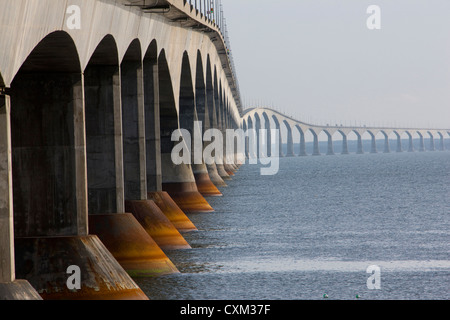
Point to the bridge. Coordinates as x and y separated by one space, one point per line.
259 118
90 94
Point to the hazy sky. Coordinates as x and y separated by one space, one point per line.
317 61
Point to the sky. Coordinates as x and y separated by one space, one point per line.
317 60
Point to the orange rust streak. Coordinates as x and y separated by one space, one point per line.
205 185
130 244
172 211
187 197
157 225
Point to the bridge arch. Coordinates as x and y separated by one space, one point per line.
103 111
133 122
47 90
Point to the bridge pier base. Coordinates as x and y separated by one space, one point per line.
44 262
157 225
222 172
179 183
172 211
229 169
214 176
204 184
18 290
130 244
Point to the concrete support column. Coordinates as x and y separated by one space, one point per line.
373 148
316 151
252 142
421 143
133 118
302 145
387 149
247 141
330 150
7 270
152 126
290 142
441 142
411 143
399 143
268 138
49 154
280 140
10 288
432 147
104 139
344 144
360 149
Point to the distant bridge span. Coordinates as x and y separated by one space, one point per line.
257 118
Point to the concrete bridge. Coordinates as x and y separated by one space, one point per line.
259 118
90 93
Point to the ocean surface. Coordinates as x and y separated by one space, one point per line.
315 228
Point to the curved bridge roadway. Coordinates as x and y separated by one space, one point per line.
257 118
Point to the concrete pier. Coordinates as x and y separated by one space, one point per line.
172 211
157 225
10 287
44 262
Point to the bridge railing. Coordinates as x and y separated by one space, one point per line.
208 13
213 11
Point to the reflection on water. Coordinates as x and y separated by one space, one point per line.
316 227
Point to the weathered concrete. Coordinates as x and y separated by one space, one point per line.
44 262
172 211
131 245
179 182
10 288
7 273
157 225
103 129
18 290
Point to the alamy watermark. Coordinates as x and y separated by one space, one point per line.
374 20
234 148
374 281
